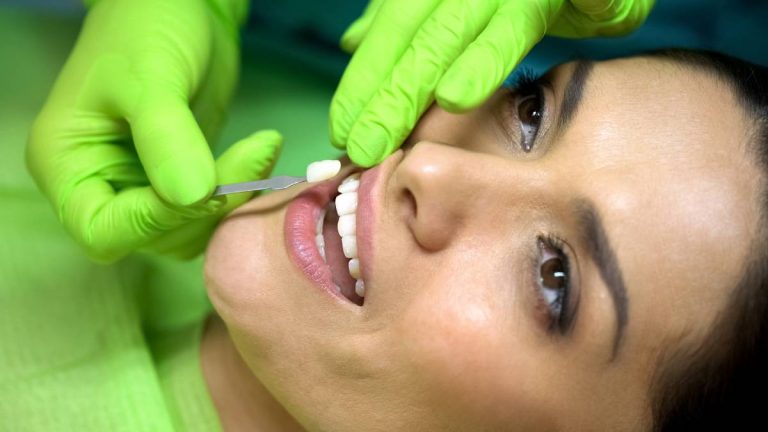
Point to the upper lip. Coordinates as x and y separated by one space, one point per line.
370 196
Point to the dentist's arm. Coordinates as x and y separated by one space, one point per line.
409 53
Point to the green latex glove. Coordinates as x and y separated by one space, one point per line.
140 97
249 159
409 53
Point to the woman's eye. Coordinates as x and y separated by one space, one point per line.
530 110
554 283
527 105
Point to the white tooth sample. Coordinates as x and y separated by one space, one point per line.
347 224
346 203
322 252
322 170
349 246
360 288
350 184
354 268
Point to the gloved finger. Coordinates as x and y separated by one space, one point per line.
356 31
484 65
394 110
389 36
586 18
173 150
109 225
65 148
249 159
214 94
597 9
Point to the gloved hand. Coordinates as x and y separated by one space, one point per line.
140 97
457 52
249 159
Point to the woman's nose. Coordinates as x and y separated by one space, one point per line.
446 190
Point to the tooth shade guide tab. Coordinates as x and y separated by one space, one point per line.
322 170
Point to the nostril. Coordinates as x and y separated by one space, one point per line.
410 203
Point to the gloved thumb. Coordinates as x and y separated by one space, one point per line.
251 158
356 31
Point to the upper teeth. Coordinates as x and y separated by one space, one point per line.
346 202
347 224
346 207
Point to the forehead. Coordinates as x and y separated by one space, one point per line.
667 112
662 149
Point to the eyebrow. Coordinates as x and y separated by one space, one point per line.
573 93
600 251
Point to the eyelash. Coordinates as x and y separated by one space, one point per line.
523 86
560 315
523 77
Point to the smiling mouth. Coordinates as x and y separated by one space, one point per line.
336 240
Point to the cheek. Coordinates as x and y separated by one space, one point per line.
476 130
237 268
243 257
465 352
457 342
223 263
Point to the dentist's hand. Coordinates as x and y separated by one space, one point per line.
120 147
457 52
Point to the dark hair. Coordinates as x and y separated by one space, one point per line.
717 384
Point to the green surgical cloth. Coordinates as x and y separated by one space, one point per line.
85 347
75 352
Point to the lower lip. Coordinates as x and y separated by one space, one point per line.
301 219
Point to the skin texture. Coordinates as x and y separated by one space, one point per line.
450 336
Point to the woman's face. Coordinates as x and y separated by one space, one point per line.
524 263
